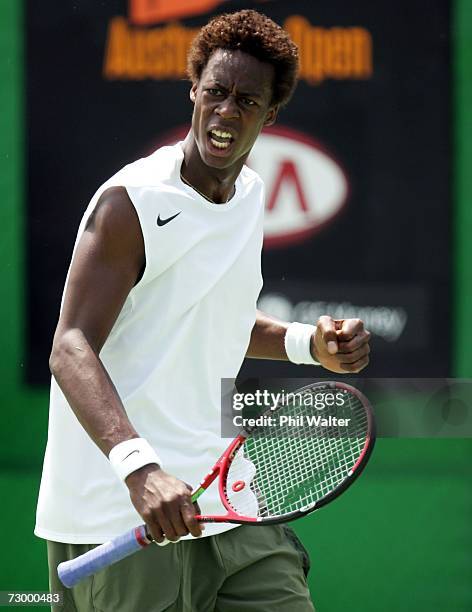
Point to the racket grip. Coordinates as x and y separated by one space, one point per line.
73 571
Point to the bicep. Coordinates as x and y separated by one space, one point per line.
106 265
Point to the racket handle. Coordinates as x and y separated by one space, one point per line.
73 571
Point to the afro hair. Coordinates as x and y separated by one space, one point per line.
252 33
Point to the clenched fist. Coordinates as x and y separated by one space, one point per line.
341 345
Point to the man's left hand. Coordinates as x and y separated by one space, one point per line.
341 345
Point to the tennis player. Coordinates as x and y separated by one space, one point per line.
159 305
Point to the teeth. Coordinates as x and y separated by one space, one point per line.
219 145
221 134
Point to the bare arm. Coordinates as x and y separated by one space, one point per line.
108 262
340 346
106 265
267 338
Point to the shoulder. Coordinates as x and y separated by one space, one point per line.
158 167
113 207
114 220
251 179
253 186
112 202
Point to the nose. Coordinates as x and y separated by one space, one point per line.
228 108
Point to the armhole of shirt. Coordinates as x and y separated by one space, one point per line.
144 277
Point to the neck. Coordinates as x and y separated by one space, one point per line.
217 185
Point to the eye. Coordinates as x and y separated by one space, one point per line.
248 102
214 91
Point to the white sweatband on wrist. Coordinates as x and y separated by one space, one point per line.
298 343
130 455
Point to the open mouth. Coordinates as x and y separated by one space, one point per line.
220 139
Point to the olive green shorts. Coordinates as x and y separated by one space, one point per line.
247 569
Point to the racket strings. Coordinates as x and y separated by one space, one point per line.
297 465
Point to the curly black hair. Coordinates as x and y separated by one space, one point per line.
255 34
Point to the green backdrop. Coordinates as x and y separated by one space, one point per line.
401 539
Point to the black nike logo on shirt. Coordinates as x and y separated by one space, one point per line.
161 222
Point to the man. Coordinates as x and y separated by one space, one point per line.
159 305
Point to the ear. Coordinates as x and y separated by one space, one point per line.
193 92
271 115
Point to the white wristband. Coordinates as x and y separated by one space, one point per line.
130 455
298 342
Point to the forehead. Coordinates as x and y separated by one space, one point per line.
233 68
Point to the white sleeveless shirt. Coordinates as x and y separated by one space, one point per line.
183 327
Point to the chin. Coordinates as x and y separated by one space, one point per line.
223 159
218 162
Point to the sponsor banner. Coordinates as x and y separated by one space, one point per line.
356 167
399 317
136 53
395 315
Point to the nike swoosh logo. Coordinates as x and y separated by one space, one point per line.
161 222
131 453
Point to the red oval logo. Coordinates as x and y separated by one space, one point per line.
306 187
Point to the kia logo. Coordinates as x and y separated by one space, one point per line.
306 187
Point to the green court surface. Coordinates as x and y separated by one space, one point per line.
400 539
23 563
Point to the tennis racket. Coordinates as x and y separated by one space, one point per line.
307 450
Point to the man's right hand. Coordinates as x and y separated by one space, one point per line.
164 502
